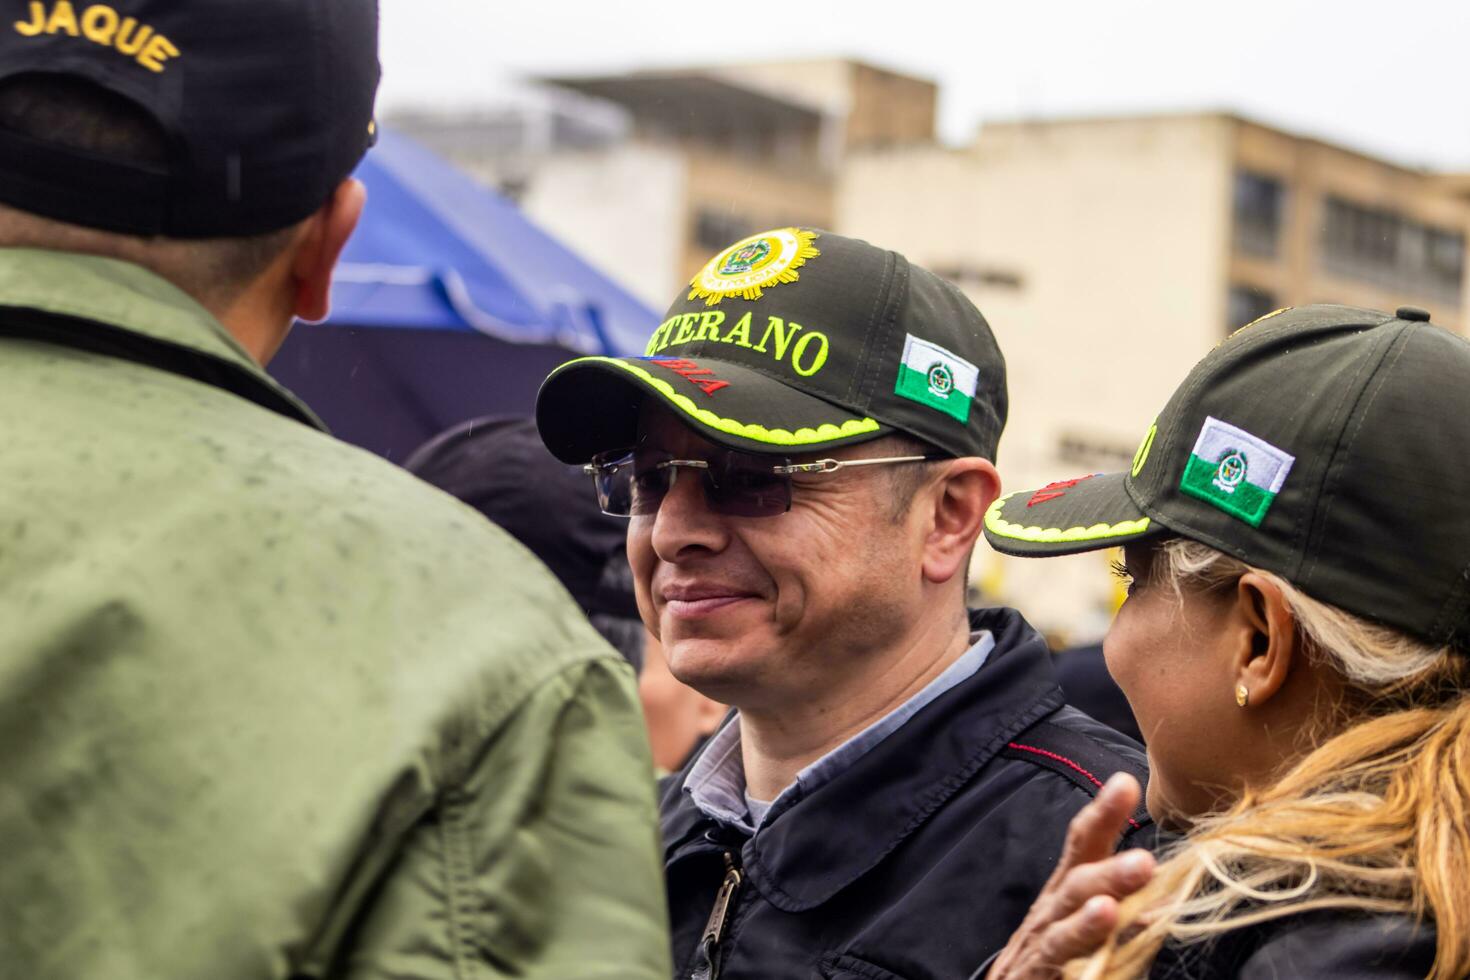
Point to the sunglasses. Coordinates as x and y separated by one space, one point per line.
633 484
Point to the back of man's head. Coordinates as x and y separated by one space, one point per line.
82 116
193 139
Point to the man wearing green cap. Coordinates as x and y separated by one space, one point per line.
805 455
269 706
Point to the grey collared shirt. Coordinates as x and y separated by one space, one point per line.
716 784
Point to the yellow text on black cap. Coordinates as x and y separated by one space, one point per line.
102 25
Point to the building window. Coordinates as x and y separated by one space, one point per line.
1247 303
1446 260
1388 250
965 274
1258 210
1097 454
714 230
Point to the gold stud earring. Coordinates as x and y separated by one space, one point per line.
1242 696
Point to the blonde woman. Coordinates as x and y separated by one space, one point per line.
1296 533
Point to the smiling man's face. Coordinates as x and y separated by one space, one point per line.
762 611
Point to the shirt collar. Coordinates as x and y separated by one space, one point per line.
157 316
716 782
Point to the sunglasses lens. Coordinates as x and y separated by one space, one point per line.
648 483
740 485
746 486
609 483
626 485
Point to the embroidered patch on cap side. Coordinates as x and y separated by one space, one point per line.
1236 471
933 376
753 264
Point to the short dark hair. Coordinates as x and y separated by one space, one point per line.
906 479
77 114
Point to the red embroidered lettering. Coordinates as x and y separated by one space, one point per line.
692 373
1054 490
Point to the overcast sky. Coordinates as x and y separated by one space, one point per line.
1390 77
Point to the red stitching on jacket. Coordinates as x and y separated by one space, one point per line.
1066 762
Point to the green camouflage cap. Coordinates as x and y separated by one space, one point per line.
1323 443
796 341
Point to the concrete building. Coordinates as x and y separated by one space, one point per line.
1111 254
648 174
1108 254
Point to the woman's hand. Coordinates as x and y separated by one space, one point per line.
1078 908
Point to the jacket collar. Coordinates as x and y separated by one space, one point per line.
819 843
122 310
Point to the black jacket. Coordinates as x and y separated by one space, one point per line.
918 861
1315 946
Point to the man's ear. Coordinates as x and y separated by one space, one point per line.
959 500
321 246
1269 641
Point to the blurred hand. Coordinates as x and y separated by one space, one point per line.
1078 908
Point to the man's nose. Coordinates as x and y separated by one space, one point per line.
684 520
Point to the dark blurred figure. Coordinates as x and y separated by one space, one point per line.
499 466
1089 687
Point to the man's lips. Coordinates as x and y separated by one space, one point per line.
702 599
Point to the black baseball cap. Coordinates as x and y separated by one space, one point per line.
796 341
1323 443
267 105
499 466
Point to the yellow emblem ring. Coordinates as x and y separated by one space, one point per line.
754 264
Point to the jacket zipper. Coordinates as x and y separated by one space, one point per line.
719 917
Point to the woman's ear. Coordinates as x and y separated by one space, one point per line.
1270 644
959 501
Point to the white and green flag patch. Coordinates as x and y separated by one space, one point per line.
1235 471
931 375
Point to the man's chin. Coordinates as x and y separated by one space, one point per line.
713 666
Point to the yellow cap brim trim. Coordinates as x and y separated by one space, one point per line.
1001 527
826 432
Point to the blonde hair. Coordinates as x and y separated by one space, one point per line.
1375 819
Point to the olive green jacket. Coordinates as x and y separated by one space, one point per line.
270 706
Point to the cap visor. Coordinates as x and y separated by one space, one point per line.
1086 514
591 405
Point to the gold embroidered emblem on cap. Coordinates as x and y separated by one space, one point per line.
102 25
754 264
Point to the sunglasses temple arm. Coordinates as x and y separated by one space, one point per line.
831 465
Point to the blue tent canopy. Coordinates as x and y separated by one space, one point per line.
448 303
437 250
